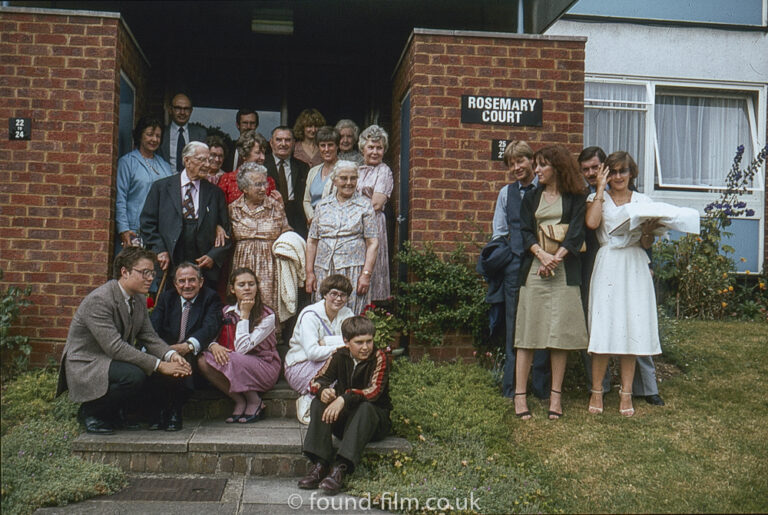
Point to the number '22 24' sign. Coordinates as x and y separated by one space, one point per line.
19 128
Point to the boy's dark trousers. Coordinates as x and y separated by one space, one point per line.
355 428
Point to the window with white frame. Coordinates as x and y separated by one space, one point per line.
697 136
615 115
685 138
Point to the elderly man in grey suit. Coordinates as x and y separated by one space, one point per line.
103 365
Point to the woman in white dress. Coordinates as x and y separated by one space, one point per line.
622 303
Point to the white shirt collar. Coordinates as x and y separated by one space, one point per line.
185 180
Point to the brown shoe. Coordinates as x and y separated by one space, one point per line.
334 480
311 480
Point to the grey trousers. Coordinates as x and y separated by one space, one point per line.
644 383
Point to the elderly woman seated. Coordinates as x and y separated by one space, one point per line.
316 336
343 238
257 221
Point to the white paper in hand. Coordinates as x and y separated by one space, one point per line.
633 215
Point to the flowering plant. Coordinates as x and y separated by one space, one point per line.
694 271
387 326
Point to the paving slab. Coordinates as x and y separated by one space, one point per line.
138 441
141 507
267 436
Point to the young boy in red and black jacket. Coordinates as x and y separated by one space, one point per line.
356 409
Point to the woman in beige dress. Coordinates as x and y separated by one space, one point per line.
257 221
549 312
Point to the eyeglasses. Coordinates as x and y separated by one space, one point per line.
624 171
199 159
347 178
182 109
336 294
259 184
148 274
216 157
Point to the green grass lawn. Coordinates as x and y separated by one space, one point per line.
705 451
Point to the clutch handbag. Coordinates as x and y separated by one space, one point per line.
552 235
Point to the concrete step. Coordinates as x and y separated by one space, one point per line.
270 447
211 404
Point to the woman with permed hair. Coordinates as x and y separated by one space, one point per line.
375 183
305 130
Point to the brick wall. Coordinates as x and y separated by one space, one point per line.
61 69
453 182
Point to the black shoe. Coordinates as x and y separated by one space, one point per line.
656 400
97 426
123 422
173 423
156 421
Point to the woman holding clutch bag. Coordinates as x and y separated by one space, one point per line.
622 303
549 313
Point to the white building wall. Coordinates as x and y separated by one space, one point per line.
685 56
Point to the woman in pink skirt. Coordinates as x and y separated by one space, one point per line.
243 361
316 335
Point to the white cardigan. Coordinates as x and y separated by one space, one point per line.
312 326
327 189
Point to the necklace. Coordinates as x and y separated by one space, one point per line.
149 164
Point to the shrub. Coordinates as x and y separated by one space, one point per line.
445 295
37 468
12 299
693 272
387 325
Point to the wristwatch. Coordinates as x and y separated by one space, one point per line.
190 347
366 272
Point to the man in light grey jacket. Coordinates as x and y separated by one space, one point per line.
103 363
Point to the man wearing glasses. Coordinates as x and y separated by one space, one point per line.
103 364
179 133
181 215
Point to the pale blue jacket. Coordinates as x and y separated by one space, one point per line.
135 176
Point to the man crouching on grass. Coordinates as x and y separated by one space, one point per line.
356 409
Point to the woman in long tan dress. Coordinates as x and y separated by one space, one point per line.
549 312
257 221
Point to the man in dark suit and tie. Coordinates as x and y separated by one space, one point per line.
181 214
290 175
188 319
246 119
179 133
101 366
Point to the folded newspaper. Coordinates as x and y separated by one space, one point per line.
631 216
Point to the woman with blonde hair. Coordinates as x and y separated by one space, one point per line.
304 130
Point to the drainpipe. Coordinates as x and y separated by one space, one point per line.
520 17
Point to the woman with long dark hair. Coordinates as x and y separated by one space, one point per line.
243 361
549 314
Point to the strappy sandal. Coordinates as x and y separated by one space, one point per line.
233 418
524 414
628 412
554 415
594 409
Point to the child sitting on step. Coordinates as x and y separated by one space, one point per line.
352 402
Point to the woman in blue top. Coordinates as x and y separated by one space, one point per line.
136 171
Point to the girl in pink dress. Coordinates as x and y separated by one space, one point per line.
243 361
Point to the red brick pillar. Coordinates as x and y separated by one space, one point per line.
61 70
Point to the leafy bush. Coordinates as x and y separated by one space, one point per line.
460 443
37 466
12 299
387 325
693 272
445 295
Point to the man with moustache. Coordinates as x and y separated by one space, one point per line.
290 175
179 133
187 318
181 214
103 366
590 160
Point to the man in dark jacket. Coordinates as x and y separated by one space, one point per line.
187 318
356 409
